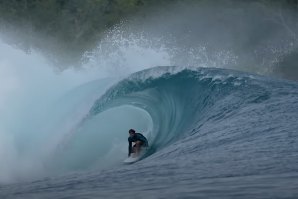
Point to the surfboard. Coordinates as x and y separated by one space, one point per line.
134 158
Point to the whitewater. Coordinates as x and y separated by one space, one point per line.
220 121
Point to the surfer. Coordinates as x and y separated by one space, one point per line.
139 140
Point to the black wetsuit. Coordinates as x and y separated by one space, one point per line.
136 137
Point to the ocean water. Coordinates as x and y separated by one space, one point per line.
216 127
213 133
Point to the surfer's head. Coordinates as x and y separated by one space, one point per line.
131 132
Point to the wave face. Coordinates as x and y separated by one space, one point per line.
212 132
197 102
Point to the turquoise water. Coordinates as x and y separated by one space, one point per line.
212 133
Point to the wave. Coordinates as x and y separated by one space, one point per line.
209 130
179 107
181 110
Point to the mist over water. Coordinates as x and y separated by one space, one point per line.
32 98
246 36
40 111
254 36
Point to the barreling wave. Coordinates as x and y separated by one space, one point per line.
178 107
182 101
